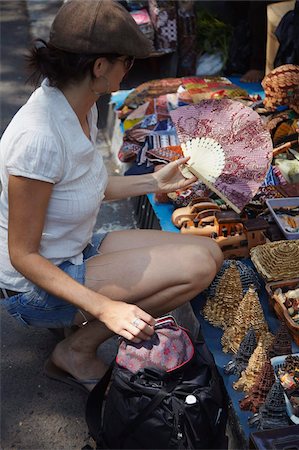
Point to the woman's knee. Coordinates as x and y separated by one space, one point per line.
200 267
211 246
216 253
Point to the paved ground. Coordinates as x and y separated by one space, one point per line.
37 413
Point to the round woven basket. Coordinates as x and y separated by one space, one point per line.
281 87
277 260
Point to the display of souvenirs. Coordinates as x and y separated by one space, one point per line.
272 414
290 300
183 198
266 192
259 391
281 87
286 129
286 214
191 211
282 305
255 364
231 152
234 236
282 343
288 164
271 121
239 363
289 220
229 148
220 309
277 260
288 375
289 190
247 276
249 314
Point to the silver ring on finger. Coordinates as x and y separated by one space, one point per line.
136 322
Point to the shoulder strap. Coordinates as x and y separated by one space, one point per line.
93 412
156 400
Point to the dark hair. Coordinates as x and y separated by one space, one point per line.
60 67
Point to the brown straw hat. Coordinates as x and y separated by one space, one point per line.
98 26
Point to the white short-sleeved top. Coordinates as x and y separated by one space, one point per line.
45 141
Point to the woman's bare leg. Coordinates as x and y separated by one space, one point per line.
128 239
158 278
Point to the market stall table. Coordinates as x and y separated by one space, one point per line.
151 214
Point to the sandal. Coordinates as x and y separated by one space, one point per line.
55 373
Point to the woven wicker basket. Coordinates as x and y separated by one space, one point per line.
281 87
277 260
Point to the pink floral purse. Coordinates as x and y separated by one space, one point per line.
169 348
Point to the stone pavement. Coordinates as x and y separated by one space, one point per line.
38 413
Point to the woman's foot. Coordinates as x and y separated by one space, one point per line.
82 365
253 76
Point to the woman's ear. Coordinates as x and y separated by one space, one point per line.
99 67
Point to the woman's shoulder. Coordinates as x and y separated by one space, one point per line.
30 125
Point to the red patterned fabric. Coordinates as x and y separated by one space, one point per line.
212 88
151 89
246 144
167 154
169 348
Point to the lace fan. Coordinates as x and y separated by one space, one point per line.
229 148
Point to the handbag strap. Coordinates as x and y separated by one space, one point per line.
94 405
153 404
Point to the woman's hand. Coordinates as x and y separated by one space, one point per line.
170 178
127 320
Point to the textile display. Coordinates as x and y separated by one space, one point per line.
160 106
151 89
150 118
163 17
239 147
212 88
143 20
183 198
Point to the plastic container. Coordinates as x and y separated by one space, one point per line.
277 363
280 203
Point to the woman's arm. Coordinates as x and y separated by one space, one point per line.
28 203
167 179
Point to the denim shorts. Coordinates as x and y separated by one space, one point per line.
40 309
